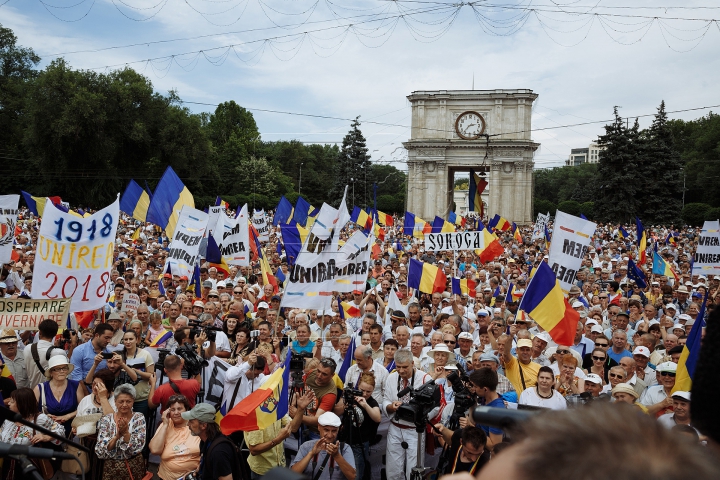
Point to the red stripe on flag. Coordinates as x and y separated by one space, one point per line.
564 332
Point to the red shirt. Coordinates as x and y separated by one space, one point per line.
189 388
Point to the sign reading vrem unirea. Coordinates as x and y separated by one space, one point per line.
185 244
74 257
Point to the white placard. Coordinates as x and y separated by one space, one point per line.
74 257
261 224
185 245
539 227
130 303
8 222
233 238
435 242
570 240
706 260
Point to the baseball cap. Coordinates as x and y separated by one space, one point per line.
591 322
263 305
482 312
644 351
202 412
667 367
596 329
327 419
544 336
524 342
593 378
198 303
682 394
465 336
577 305
207 284
489 357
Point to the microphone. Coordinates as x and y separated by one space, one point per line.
7 449
501 417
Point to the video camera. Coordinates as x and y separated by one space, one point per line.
422 401
464 399
349 394
196 328
194 363
297 365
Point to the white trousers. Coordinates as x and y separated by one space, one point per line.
399 461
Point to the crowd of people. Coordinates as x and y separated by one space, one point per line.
123 387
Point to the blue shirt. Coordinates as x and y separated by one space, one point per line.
618 356
497 403
82 359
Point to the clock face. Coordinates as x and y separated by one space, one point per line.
469 125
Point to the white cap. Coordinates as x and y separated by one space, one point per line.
682 394
667 367
263 305
596 329
482 312
644 351
465 336
653 322
593 378
329 419
684 316
544 336
591 322
577 304
497 311
671 305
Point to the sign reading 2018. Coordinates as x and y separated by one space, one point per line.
75 256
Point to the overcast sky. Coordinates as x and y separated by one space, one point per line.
580 65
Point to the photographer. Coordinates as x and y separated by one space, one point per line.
361 418
467 449
173 366
401 438
217 343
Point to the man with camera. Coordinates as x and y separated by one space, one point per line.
402 438
320 381
318 459
467 451
173 366
83 357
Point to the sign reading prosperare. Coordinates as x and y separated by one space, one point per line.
26 314
74 257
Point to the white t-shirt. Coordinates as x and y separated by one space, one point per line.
529 396
221 342
88 407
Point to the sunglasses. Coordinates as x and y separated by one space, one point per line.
615 375
213 296
449 342
177 398
563 352
598 358
667 374
601 344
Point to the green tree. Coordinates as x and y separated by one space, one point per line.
390 182
695 214
543 206
570 206
661 200
353 168
618 185
17 69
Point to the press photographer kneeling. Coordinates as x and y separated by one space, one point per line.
467 451
360 420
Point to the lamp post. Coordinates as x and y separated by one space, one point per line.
300 180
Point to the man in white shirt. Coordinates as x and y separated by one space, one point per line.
657 398
44 348
364 363
241 380
641 355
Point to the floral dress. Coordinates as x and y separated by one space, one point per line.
125 457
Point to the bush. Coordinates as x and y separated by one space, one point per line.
713 214
543 206
587 209
695 213
570 207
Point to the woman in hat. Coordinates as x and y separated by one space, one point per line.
625 393
178 449
121 438
23 401
59 397
440 356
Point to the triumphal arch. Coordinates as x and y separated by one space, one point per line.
487 131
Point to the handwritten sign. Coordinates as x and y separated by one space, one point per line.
26 314
261 225
707 257
74 257
570 240
8 222
130 303
233 238
185 245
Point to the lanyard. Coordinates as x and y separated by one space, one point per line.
411 384
457 457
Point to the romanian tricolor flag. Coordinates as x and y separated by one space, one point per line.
671 238
379 232
170 196
499 223
547 238
495 294
641 242
135 201
36 205
690 354
516 233
622 233
302 209
160 340
267 275
384 219
513 292
348 310
347 361
361 217
293 237
476 188
415 226
440 225
456 219
425 277
661 267
220 202
463 286
545 303
263 407
491 247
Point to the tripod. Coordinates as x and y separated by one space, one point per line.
418 471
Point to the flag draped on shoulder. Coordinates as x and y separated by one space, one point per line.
691 353
135 201
263 407
545 303
169 197
425 277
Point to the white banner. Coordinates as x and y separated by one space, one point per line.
261 224
706 260
74 257
233 238
571 237
214 213
8 221
539 227
130 303
214 381
319 237
185 244
435 242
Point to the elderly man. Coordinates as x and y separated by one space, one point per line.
466 348
657 398
522 372
401 433
13 358
644 371
312 456
402 335
364 364
320 381
619 346
417 347
504 387
681 411
630 366
219 458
